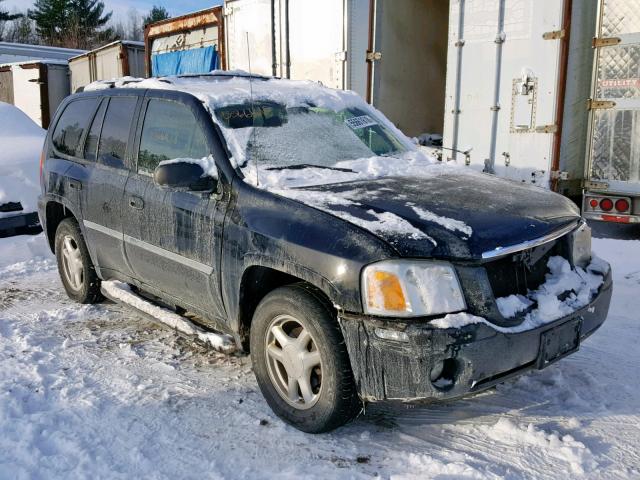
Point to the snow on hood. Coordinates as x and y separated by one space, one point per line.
21 143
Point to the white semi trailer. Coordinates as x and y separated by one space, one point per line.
526 100
539 91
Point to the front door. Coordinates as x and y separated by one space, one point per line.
169 233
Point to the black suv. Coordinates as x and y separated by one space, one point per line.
299 221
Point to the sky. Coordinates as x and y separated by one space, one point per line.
121 8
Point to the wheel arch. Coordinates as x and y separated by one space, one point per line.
56 211
261 278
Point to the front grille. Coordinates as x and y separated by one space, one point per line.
521 272
11 207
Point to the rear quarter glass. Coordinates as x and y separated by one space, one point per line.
73 122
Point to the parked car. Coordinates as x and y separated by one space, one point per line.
21 141
300 221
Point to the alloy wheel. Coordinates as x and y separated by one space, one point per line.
73 267
293 362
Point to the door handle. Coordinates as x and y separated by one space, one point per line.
75 185
136 202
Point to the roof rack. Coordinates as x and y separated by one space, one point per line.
228 74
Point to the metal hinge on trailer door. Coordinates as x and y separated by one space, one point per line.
555 35
373 56
547 129
559 175
591 185
605 41
600 104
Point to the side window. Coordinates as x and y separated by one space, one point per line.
170 131
115 131
91 144
72 124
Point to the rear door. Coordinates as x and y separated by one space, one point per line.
108 157
169 234
68 171
615 137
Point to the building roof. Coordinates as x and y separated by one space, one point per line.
18 52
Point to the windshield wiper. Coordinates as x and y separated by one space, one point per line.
300 166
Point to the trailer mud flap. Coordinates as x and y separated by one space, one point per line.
559 342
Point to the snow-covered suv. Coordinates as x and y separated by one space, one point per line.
298 221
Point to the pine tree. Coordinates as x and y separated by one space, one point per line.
156 14
51 19
72 23
6 16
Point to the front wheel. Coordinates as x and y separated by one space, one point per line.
300 360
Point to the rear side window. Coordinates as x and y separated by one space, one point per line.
115 131
72 124
91 144
170 131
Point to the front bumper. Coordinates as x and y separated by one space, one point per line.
476 356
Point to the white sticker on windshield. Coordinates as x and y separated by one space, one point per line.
356 123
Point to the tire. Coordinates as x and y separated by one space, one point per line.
331 398
69 242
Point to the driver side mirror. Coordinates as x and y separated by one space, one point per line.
183 175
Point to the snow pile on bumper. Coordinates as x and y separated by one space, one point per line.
565 291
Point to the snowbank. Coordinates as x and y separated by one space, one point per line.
20 147
25 254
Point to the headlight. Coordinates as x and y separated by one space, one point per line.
580 243
408 288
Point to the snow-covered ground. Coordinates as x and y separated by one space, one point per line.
96 392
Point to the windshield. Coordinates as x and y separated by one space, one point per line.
280 137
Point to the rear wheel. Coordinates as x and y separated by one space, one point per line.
300 360
76 270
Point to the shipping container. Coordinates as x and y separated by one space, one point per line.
393 53
121 58
35 87
191 43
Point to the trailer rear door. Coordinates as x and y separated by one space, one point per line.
27 92
502 85
252 17
317 41
615 137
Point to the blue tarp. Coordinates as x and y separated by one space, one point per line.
197 60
